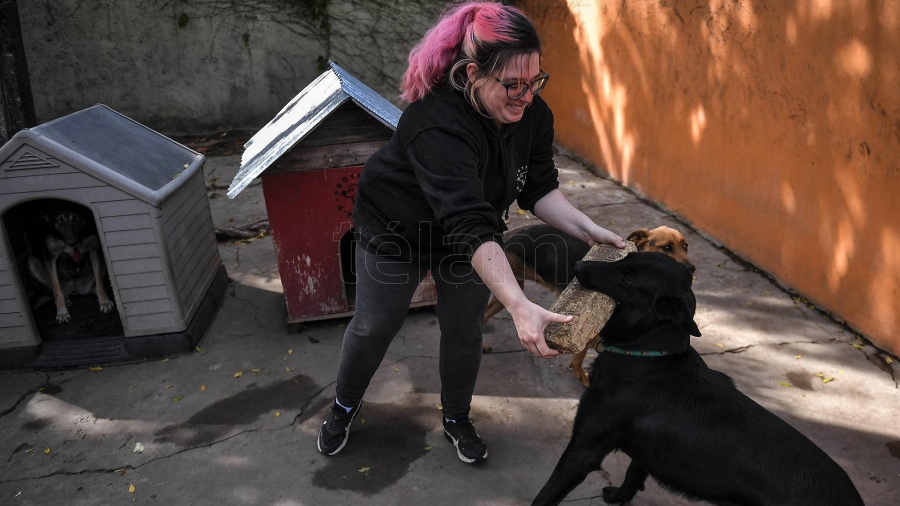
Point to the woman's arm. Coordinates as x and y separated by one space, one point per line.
555 210
530 319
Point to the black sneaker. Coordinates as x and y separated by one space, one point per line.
336 430
469 446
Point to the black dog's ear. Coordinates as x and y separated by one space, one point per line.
693 329
678 311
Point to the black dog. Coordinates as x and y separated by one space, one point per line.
71 260
652 397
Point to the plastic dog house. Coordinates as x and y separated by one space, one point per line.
148 198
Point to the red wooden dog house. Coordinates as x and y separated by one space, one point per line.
309 158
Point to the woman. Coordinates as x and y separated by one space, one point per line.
474 138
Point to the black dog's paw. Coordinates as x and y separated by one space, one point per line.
614 495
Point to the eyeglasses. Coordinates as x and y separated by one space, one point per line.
518 89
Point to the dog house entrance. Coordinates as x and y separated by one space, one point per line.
69 227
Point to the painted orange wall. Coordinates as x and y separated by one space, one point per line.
771 126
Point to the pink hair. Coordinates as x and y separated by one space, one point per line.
459 33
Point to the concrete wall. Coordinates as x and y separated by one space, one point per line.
193 66
772 126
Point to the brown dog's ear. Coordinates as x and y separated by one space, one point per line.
639 237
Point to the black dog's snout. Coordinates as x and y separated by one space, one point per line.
579 268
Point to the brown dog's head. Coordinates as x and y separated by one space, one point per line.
664 240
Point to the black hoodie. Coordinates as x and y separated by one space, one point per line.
443 182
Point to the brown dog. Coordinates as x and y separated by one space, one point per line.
545 255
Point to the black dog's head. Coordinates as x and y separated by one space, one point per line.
651 290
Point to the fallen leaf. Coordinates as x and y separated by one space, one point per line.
440 407
428 448
46 450
521 211
785 384
131 488
178 398
120 472
255 371
29 450
290 351
138 448
203 388
95 368
826 380
238 374
720 345
889 360
40 389
278 413
798 357
169 386
819 374
396 370
365 469
289 369
198 348
857 346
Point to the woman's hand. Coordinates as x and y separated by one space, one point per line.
600 235
530 320
557 212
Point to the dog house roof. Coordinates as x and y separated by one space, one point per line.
118 151
302 115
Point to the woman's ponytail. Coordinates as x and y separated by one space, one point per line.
484 33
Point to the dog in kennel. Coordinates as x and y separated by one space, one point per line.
62 256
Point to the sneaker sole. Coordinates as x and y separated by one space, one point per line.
455 443
346 435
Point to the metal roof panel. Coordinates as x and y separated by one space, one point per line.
302 115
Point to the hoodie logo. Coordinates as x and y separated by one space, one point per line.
521 174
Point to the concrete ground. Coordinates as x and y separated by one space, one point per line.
235 422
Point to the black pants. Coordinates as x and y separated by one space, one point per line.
384 289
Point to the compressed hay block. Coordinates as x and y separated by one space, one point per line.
591 309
